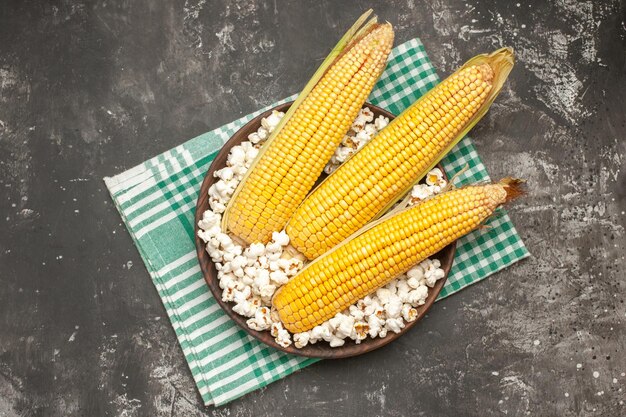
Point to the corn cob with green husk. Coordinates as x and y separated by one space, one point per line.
383 250
377 176
295 154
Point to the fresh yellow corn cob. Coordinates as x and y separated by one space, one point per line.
400 155
384 250
293 159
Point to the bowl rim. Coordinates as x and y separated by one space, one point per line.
321 349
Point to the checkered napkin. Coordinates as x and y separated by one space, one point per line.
157 199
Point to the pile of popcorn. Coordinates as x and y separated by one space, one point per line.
250 276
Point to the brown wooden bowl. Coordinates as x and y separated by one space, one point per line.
321 349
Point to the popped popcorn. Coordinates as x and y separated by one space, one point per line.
393 308
376 325
395 324
300 340
417 297
250 276
363 129
409 313
435 183
261 319
360 331
280 238
279 277
282 336
270 122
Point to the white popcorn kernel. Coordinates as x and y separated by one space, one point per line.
395 325
237 156
361 305
363 137
322 332
280 238
245 308
435 177
274 247
358 124
335 321
375 324
360 331
279 277
383 332
273 265
267 291
245 294
367 114
228 294
425 264
336 342
415 276
250 271
393 307
372 307
345 327
217 206
409 313
225 174
383 295
301 339
255 250
263 133
209 220
270 122
261 277
356 312
261 319
262 262
251 153
226 280
403 289
381 122
371 130
227 257
291 266
205 236
421 192
380 312
274 256
392 286
254 138
283 338
275 328
433 274
239 262
418 296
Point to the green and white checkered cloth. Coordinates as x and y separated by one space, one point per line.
157 199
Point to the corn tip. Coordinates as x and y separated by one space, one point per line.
514 187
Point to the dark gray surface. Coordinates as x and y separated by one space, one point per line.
90 90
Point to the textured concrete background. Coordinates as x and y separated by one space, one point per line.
88 89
